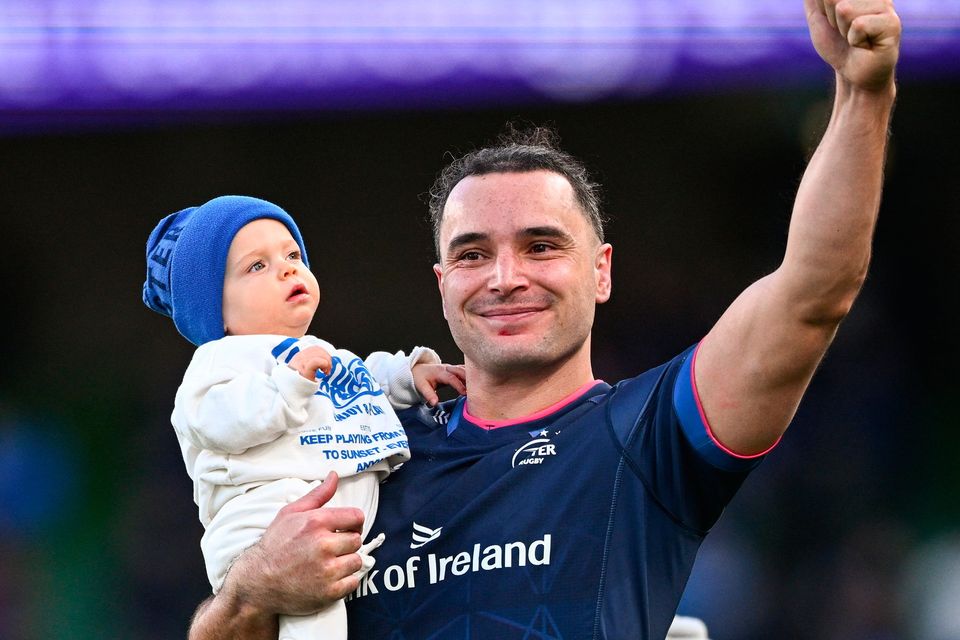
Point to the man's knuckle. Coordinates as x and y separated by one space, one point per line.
846 10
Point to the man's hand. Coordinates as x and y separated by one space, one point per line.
306 558
427 377
860 39
309 360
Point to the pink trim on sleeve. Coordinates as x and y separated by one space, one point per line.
706 423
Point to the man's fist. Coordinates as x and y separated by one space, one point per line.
860 39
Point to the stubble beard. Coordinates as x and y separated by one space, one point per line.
498 358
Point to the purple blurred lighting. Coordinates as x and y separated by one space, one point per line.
63 59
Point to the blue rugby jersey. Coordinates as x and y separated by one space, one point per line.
582 523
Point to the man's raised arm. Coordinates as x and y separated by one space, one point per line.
753 367
305 560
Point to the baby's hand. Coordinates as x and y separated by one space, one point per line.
307 361
427 377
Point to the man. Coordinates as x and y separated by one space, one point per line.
548 504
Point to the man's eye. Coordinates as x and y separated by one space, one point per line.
470 255
540 247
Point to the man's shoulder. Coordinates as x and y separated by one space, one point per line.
629 394
639 387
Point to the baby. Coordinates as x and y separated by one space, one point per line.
265 411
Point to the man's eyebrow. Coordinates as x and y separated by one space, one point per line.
465 238
546 232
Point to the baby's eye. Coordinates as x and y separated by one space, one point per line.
293 255
256 266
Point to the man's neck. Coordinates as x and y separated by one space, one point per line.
521 394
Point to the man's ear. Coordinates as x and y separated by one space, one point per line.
602 266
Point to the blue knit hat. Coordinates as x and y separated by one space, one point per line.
187 259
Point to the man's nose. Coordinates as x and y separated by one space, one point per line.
508 274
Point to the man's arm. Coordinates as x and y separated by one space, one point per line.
753 367
305 560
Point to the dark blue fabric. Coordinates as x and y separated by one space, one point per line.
606 504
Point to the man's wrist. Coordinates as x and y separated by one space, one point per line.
862 111
226 617
881 96
247 615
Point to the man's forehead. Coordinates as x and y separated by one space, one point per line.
508 203
540 185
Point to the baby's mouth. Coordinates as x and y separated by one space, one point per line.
296 291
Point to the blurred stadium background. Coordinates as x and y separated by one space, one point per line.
697 117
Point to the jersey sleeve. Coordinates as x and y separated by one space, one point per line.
235 396
696 427
394 373
668 445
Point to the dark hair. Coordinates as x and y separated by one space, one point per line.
518 150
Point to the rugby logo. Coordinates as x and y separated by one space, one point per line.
534 452
422 535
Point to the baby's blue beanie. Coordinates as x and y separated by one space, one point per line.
187 258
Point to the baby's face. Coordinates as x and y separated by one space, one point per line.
266 287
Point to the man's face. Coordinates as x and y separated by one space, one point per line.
521 271
266 287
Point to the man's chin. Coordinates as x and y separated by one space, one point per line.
506 356
521 352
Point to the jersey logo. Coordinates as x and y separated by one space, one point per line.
422 535
434 568
534 452
440 416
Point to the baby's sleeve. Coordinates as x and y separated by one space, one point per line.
230 401
394 373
